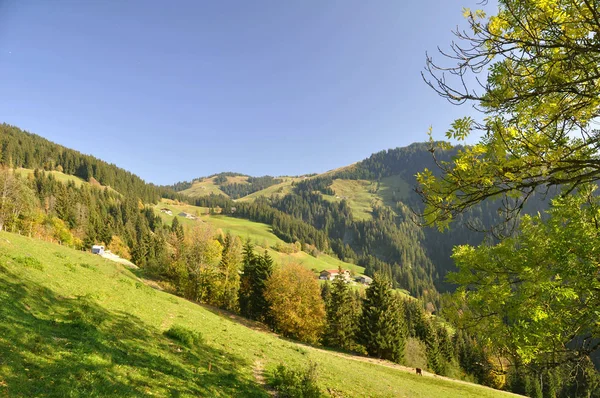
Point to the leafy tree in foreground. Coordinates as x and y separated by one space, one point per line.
537 290
295 302
382 329
16 198
538 62
532 294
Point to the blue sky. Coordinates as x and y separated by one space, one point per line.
173 90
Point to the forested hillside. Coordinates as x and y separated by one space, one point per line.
22 149
390 238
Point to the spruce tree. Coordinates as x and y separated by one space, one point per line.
382 329
341 315
256 272
228 279
434 360
326 292
177 228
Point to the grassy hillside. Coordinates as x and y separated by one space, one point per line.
75 325
393 189
359 194
260 234
205 187
281 189
62 177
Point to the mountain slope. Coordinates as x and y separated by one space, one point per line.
74 324
260 234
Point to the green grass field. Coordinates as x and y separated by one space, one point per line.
281 189
358 195
65 178
75 325
393 187
204 188
62 177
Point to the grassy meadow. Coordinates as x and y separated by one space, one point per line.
204 188
283 188
62 177
359 195
75 325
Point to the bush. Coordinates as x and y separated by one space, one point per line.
296 383
185 336
30 262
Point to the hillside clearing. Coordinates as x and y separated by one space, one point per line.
74 324
203 188
358 193
61 177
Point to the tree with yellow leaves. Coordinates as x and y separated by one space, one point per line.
295 302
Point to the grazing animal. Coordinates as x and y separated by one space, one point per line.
419 371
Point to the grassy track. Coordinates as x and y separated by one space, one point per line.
75 325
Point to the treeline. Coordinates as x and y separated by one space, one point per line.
406 161
19 148
179 186
319 184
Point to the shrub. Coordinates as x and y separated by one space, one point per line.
292 383
185 336
30 262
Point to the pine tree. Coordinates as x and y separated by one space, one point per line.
382 329
434 360
228 284
256 272
177 228
341 316
326 292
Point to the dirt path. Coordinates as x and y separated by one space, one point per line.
259 374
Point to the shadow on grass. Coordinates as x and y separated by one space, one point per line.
52 346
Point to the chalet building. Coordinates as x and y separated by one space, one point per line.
166 211
187 215
365 280
98 250
330 274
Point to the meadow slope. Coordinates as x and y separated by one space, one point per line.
75 325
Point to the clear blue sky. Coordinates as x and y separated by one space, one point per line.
172 90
